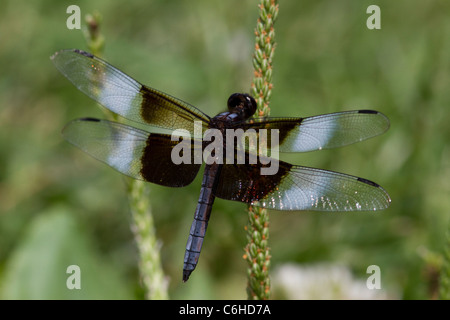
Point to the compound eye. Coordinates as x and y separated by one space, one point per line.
234 101
242 102
251 106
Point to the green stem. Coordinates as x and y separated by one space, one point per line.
257 252
144 231
95 40
150 267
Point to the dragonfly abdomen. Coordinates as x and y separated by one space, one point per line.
201 218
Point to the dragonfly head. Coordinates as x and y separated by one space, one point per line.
242 103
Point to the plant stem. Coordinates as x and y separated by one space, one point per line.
150 268
95 40
257 252
144 231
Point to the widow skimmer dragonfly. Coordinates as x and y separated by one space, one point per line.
146 155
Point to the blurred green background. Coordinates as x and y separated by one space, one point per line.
60 207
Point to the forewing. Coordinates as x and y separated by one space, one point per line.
125 96
320 132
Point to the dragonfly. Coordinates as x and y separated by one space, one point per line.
148 154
